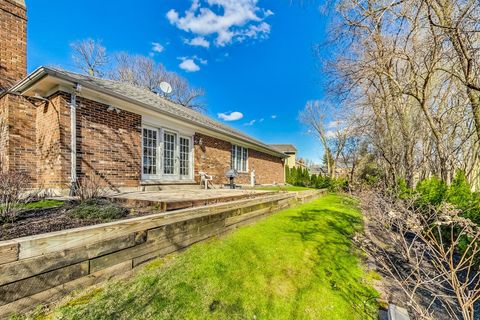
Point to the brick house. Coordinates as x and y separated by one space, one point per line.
59 127
290 151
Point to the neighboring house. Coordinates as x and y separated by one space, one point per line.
318 170
290 151
300 163
59 127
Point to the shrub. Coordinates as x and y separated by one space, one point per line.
369 173
403 191
100 209
313 181
324 182
459 193
89 188
13 192
431 191
338 184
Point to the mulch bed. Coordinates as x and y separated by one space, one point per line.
38 221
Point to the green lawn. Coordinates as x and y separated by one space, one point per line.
283 188
297 264
46 203
41 204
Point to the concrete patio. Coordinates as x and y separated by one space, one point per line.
181 198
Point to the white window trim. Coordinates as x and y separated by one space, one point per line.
190 155
241 157
175 153
151 176
160 176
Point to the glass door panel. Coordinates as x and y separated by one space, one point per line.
184 157
169 147
149 152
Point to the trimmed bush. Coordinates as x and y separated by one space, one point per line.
98 209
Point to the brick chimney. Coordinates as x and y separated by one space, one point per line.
13 42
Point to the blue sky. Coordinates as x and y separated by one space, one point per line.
259 61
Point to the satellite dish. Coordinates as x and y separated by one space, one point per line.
165 87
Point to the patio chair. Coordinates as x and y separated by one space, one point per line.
205 179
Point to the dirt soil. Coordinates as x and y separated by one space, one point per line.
37 221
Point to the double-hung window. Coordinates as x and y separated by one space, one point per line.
239 160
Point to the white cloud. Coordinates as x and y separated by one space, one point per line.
334 124
198 42
225 20
273 116
261 120
202 61
330 134
157 47
250 123
189 65
232 116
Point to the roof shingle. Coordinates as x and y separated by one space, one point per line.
143 96
284 147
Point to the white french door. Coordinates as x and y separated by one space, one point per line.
150 152
167 155
185 155
170 158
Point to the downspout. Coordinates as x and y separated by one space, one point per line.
73 144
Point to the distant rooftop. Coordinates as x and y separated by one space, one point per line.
284 147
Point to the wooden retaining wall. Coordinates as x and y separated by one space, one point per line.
43 268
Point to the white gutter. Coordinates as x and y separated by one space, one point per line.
73 143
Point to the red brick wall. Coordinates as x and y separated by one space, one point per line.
13 43
214 157
3 133
268 169
38 141
18 148
53 152
108 144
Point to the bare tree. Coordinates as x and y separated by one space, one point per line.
431 255
314 116
458 22
138 70
399 65
183 93
90 56
145 72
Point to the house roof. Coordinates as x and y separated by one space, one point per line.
141 96
284 147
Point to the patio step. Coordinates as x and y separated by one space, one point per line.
182 198
170 187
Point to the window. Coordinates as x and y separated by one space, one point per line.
239 160
184 156
149 152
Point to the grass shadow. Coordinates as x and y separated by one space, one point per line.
330 233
